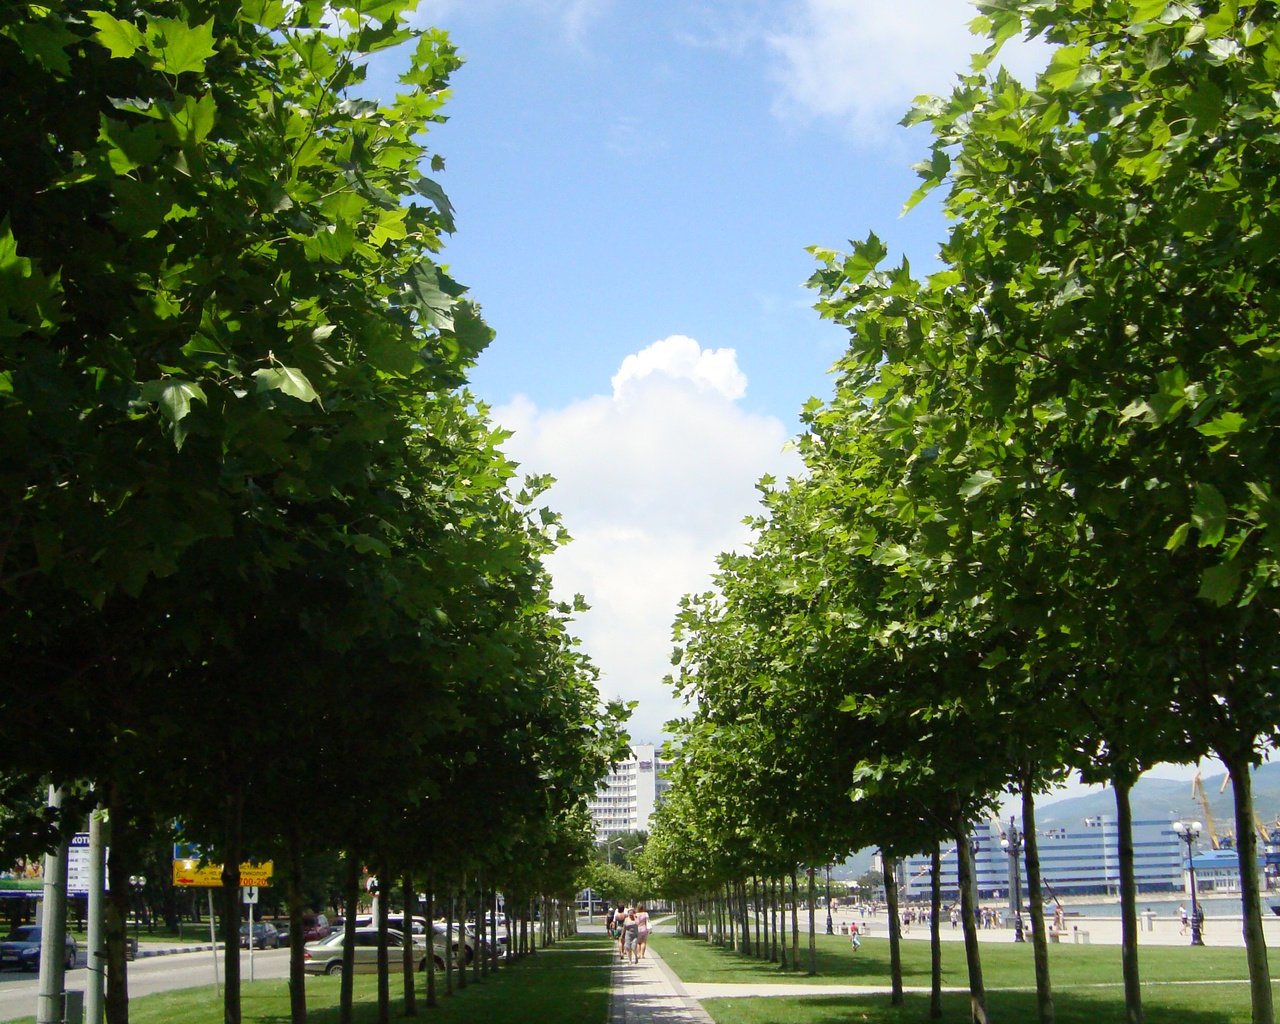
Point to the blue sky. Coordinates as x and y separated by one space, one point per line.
636 183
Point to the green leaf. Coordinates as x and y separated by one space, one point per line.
1220 583
977 483
1178 538
288 379
1223 426
121 38
1209 514
174 397
179 47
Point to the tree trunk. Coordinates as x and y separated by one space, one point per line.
935 933
895 928
430 915
384 961
771 889
116 1003
795 921
231 857
1128 904
969 919
1250 900
350 897
297 936
448 942
1039 937
410 963
813 926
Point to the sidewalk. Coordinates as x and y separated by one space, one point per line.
649 993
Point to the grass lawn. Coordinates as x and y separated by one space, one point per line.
1086 982
567 984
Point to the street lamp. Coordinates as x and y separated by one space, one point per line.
1189 832
137 883
1011 843
830 930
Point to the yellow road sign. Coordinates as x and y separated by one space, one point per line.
209 876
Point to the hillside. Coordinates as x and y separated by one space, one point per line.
1167 799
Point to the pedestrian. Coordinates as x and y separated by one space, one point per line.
630 936
642 919
608 921
1182 918
854 940
1200 920
618 919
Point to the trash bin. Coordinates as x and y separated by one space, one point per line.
1148 920
73 1006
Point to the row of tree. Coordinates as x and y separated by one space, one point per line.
266 572
1038 529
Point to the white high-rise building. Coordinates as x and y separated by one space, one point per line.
628 796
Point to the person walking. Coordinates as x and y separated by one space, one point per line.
1183 921
630 936
642 940
854 940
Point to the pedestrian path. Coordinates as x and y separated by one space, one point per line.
647 992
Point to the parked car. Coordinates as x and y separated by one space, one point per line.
22 949
265 935
282 931
325 956
315 927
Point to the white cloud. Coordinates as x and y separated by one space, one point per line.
653 482
681 358
864 63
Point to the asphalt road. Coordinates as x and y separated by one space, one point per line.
146 976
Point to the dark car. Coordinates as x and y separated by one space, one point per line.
22 949
265 936
315 927
282 931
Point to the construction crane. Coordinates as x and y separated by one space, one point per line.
1217 840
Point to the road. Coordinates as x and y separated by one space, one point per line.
146 976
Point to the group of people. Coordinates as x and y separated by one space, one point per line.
630 927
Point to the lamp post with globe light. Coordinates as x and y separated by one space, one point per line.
830 929
1011 843
1189 832
138 884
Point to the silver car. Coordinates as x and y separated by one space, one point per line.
325 956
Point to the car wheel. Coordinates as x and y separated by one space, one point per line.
333 969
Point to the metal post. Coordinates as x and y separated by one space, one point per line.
96 987
53 928
830 929
1189 832
1012 845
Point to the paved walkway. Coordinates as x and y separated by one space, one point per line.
649 993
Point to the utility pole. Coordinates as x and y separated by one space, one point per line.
53 928
93 997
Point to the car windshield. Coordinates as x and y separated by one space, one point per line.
28 933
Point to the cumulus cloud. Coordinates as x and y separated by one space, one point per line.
683 359
863 63
653 481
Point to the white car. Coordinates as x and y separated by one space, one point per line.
325 956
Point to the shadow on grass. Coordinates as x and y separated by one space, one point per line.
834 962
1015 1007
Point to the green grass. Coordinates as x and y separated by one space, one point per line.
1086 983
567 984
